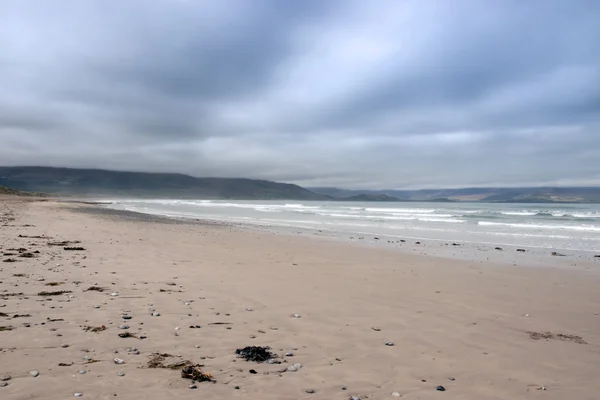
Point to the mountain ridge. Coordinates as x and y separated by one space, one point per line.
102 182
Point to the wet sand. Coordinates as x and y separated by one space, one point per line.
482 330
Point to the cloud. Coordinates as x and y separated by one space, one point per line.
340 93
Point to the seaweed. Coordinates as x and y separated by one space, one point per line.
95 288
94 329
63 243
195 373
556 336
57 293
255 353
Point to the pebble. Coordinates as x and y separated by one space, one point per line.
310 391
344 388
119 361
289 354
113 294
121 374
396 394
155 314
82 371
376 329
389 343
295 367
34 373
96 306
440 388
5 378
353 398
126 316
297 316
87 358
78 394
193 386
123 326
236 387
64 346
3 384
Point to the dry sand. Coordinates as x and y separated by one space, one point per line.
463 325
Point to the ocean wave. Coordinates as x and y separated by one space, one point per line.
589 228
401 210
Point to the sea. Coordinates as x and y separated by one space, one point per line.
546 226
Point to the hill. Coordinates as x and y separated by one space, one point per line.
491 195
13 192
96 182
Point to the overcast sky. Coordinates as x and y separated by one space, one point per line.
354 94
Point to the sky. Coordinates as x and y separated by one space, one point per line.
346 93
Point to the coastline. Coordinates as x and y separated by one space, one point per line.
498 253
456 323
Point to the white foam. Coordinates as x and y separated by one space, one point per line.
589 228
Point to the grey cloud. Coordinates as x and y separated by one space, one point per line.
354 94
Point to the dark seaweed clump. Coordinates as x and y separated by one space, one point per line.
255 353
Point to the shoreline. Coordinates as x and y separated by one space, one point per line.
480 331
457 249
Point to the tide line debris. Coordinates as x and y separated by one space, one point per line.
56 293
255 353
189 370
556 336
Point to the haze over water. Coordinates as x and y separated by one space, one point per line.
553 226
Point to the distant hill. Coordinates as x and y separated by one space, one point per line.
98 183
369 197
95 182
13 192
491 195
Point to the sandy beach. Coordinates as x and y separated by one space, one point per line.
363 321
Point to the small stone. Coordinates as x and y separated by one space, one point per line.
295 367
64 345
126 316
193 386
3 384
249 309
297 316
253 371
113 294
310 391
78 394
440 388
155 314
376 329
96 306
236 387
353 398
170 284
389 343
82 371
289 354
123 326
34 373
87 358
396 394
4 378
121 374
452 379
344 388
119 361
